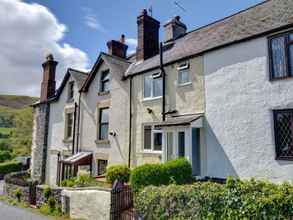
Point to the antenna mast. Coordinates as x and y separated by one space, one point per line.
179 6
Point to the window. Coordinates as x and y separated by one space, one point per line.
152 139
102 165
183 74
70 91
281 56
283 123
103 124
153 86
69 125
105 81
181 144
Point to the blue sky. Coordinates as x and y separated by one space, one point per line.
91 23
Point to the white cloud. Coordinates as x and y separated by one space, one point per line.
91 20
132 44
28 33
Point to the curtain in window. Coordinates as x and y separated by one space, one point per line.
278 57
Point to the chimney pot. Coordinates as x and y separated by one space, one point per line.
122 39
118 48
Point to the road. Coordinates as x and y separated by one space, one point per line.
8 212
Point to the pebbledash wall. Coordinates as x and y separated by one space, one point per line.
239 119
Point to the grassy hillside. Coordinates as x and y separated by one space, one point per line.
16 121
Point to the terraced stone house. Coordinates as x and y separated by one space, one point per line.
220 95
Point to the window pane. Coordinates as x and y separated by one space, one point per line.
291 37
157 86
69 125
181 144
102 165
158 141
284 138
104 115
104 132
147 138
278 57
147 86
183 76
291 58
105 86
105 75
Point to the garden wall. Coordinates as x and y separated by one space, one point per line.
87 203
55 193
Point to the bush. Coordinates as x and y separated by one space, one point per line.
9 167
18 194
4 156
118 172
205 200
51 204
178 171
47 192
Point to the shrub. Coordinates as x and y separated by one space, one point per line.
18 194
177 171
236 199
9 167
47 192
4 156
118 172
51 204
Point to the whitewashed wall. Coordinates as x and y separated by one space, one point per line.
239 120
56 134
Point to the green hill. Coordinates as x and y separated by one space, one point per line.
16 120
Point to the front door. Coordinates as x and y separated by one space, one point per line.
195 151
170 145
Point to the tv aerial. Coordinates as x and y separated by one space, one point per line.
179 6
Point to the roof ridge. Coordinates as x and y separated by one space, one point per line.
116 57
79 71
227 17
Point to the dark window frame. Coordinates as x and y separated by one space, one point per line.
99 170
276 134
69 125
104 74
102 123
70 97
287 45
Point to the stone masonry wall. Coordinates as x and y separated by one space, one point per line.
39 143
55 192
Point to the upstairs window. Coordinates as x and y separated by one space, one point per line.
183 74
281 56
283 124
70 91
103 124
153 86
69 125
105 81
152 139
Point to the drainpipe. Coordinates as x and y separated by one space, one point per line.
74 129
78 123
164 82
130 121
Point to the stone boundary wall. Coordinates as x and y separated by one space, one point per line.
10 189
55 192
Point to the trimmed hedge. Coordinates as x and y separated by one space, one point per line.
177 171
9 167
236 199
118 172
4 156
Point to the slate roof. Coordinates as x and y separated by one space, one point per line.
260 19
78 76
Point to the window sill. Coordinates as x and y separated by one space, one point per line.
284 158
184 84
103 93
272 79
68 140
102 142
152 152
151 99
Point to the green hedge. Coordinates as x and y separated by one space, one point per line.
118 172
4 156
257 200
9 167
178 171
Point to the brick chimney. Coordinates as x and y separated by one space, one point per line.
174 29
118 48
147 36
48 83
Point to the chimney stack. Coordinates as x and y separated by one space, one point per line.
48 83
174 29
118 48
147 36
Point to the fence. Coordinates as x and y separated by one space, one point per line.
122 203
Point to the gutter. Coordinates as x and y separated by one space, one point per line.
130 122
164 83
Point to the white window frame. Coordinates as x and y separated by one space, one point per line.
153 76
184 67
153 132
